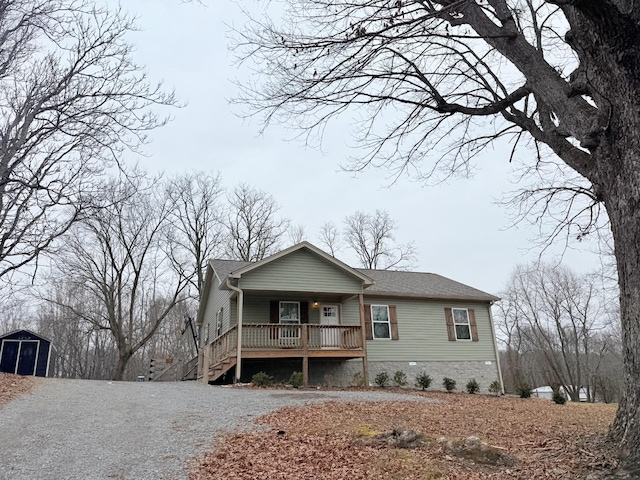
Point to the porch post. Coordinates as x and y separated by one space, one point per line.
305 353
365 365
206 363
239 349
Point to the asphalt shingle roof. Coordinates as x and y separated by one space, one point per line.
225 267
393 283
425 285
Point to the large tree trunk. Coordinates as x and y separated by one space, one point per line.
121 366
621 181
626 427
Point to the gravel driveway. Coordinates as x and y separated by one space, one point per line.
85 429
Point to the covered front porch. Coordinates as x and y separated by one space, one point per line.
299 328
299 303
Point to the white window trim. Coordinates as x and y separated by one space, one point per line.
219 322
373 330
468 324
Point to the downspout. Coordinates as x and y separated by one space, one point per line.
239 332
495 348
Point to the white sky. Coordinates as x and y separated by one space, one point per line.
458 229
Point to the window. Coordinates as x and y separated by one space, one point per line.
380 321
290 314
206 334
219 322
461 323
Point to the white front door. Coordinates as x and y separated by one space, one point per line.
330 315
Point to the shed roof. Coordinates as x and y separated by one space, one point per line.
42 337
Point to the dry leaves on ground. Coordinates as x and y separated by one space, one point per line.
12 386
325 441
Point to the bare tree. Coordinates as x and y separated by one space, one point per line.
15 314
561 76
72 100
196 218
330 238
558 317
254 229
296 234
371 236
83 350
116 256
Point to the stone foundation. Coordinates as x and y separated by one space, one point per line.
337 373
342 373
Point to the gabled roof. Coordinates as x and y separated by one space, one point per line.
248 266
30 332
376 282
224 267
422 285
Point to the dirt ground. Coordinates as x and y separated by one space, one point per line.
332 441
11 386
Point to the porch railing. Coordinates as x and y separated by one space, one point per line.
269 336
223 346
305 336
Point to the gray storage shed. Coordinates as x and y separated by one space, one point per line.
23 352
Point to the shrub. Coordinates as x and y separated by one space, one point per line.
495 388
327 380
473 386
261 379
423 381
358 380
382 379
399 378
296 380
524 390
449 384
558 396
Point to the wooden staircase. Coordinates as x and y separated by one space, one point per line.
221 355
216 371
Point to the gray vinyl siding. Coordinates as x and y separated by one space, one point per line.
217 299
422 332
301 271
350 311
257 307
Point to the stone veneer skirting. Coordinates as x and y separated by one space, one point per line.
336 373
342 373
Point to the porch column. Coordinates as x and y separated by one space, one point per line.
365 365
305 352
239 348
205 363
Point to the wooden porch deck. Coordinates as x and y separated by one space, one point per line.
281 341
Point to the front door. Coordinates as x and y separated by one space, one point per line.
330 315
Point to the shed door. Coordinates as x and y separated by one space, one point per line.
27 358
9 356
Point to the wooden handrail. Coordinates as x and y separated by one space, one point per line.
300 336
221 347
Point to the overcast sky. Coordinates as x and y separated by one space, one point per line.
459 230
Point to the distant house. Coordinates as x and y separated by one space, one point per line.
23 352
303 310
547 392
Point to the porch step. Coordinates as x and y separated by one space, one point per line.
219 369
